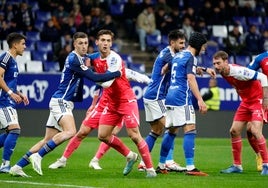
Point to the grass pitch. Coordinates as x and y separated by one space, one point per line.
211 156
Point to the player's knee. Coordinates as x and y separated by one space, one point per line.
14 131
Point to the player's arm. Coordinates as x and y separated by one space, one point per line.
138 77
200 71
14 96
95 98
95 77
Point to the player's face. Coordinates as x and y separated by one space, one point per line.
81 46
20 47
179 45
104 44
220 65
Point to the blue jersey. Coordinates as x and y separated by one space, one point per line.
157 88
260 62
8 63
179 93
71 83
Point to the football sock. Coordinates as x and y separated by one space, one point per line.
263 149
150 140
72 145
188 146
253 142
10 143
2 139
236 150
167 141
170 153
48 147
24 161
103 148
145 154
118 145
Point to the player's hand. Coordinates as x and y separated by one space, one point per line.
164 69
202 107
15 97
211 72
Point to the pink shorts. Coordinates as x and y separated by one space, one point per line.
127 111
92 120
248 113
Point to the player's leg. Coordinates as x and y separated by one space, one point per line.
236 142
9 121
16 170
103 148
253 143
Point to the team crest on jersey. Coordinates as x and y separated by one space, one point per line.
83 67
246 72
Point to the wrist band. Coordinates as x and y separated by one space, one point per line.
10 92
204 69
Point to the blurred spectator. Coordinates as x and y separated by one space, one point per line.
246 8
207 12
176 18
190 13
50 33
24 17
10 12
187 27
59 15
163 21
86 6
235 42
88 28
163 5
48 5
265 40
212 96
253 41
97 16
3 27
77 15
220 14
66 39
232 8
108 24
68 26
146 25
130 14
68 5
201 27
145 4
67 48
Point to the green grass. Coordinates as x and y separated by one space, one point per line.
211 156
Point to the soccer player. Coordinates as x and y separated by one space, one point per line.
122 105
155 94
245 81
61 124
9 97
91 121
259 62
180 110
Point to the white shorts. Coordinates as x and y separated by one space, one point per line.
8 116
58 108
178 116
154 110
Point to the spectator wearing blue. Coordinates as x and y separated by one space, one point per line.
253 41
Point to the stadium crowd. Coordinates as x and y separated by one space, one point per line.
56 21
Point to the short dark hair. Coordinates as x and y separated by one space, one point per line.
104 32
79 35
175 34
14 38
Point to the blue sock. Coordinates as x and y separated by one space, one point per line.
170 153
188 146
48 147
3 137
24 161
10 143
167 141
150 140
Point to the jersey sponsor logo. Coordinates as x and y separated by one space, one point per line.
35 91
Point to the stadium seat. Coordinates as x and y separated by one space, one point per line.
22 60
34 66
30 45
153 40
4 45
127 58
255 20
240 20
219 41
243 60
51 66
241 29
42 15
219 31
39 25
139 67
164 40
44 46
33 35
39 56
117 9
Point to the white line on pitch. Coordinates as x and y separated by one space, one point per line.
45 184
